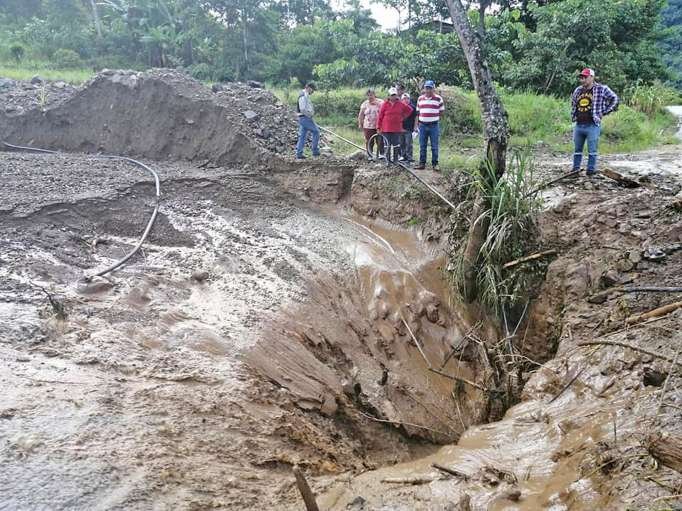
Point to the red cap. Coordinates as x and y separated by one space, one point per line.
587 72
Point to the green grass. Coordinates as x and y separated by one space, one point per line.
28 70
541 122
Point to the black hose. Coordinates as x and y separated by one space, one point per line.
152 219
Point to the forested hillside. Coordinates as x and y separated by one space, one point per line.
536 45
672 42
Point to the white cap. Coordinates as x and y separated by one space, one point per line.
405 96
392 91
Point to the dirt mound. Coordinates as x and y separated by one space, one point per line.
19 97
159 114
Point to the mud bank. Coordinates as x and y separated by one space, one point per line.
579 438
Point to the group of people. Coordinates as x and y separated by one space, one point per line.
390 125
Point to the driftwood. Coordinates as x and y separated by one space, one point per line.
603 295
630 346
666 449
457 378
306 492
529 258
546 184
408 480
620 178
571 381
450 471
655 313
433 369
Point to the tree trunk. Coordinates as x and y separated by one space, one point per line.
155 55
188 53
667 449
481 17
495 132
95 17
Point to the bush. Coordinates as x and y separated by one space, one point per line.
536 116
201 71
462 111
650 99
18 52
66 59
624 124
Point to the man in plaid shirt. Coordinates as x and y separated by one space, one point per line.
590 103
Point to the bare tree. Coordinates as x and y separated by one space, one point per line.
95 17
495 132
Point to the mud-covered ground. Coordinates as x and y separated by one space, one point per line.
578 440
261 326
282 314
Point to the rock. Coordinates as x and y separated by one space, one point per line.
634 257
254 84
7 83
432 313
653 377
653 254
608 279
60 85
624 265
357 504
200 275
95 286
128 80
37 80
513 495
250 115
329 406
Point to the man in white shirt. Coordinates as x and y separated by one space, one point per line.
305 112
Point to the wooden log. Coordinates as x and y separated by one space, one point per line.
529 258
655 313
666 449
548 183
408 480
450 471
306 492
620 178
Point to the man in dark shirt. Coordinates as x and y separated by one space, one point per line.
590 102
406 137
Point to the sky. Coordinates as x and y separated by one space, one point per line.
386 17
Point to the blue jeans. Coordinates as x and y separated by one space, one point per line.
305 125
426 132
589 132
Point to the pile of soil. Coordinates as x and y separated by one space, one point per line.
18 97
159 114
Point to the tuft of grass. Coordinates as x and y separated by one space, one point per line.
651 99
512 218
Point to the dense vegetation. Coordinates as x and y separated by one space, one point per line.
531 44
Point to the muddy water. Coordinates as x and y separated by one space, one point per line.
145 395
541 455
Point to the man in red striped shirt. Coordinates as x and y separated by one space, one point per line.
429 107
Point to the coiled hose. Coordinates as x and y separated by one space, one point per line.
152 219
